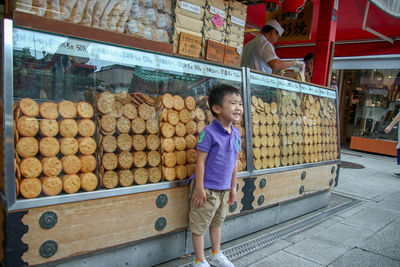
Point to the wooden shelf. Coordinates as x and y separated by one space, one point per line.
385 147
30 21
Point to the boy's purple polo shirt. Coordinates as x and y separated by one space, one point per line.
222 149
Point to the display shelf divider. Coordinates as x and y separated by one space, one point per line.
248 125
294 167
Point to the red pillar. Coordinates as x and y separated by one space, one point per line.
326 34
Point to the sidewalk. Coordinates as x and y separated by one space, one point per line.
366 234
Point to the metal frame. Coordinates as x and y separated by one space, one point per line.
9 199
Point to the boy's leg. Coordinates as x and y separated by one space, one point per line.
215 237
198 245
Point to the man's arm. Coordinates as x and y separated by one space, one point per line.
393 123
199 196
278 64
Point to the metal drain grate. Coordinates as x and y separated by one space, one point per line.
252 245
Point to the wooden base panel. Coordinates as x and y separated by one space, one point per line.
373 145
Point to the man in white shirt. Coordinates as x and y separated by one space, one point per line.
259 53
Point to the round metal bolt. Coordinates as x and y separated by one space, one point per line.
263 183
160 223
48 249
161 201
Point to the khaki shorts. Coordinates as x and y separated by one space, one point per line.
211 213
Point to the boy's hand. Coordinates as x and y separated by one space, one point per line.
232 196
199 197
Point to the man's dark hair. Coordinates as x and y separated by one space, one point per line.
267 29
309 56
217 94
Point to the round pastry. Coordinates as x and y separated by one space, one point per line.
256 141
123 125
191 127
67 109
105 102
264 140
125 177
168 100
191 155
27 147
173 117
256 129
264 151
85 110
146 112
29 107
86 127
71 164
181 172
117 110
51 186
168 145
256 152
258 164
124 142
48 110
199 114
190 103
154 174
167 130
191 168
129 111
263 130
138 126
88 181
180 129
264 163
109 143
30 167
164 115
51 166
27 126
87 145
109 161
68 146
200 126
48 127
108 123
180 143
49 146
181 157
255 118
71 183
141 176
152 126
88 163
139 142
30 187
139 159
179 104
169 173
190 141
68 128
153 158
125 160
110 179
153 142
169 159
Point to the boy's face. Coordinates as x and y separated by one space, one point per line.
231 109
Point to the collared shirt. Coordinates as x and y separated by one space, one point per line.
222 148
257 53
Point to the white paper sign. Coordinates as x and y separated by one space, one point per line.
214 10
190 7
238 21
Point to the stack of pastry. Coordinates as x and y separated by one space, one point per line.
266 142
54 140
291 129
312 128
180 122
129 143
241 159
329 130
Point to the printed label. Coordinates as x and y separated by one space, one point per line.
214 10
238 21
190 7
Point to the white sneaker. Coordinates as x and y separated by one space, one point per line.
397 171
220 260
203 263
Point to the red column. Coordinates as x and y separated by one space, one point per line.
326 34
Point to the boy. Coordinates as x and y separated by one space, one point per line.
214 186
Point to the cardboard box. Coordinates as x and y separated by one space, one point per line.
237 9
212 34
209 24
234 29
190 8
214 7
239 39
176 34
188 23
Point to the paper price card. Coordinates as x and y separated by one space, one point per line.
189 45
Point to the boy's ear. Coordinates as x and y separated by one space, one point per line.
216 108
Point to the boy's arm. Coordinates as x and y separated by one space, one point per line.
393 123
199 196
232 195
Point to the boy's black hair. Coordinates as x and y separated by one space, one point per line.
217 94
308 57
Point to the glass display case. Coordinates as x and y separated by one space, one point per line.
292 123
92 120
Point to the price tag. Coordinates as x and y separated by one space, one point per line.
238 21
222 73
190 7
231 56
189 45
217 20
215 51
